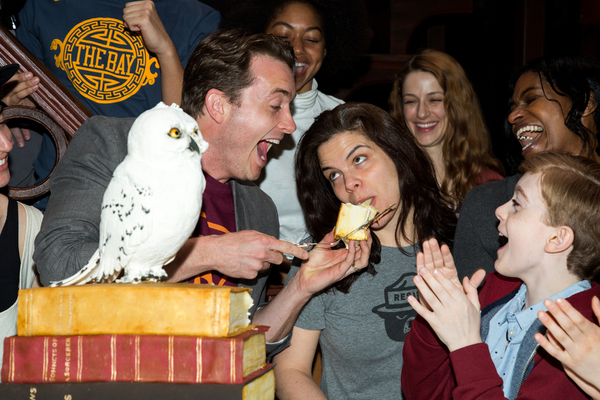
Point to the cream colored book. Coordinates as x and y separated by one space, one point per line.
141 309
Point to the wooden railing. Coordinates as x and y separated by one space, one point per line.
60 112
58 137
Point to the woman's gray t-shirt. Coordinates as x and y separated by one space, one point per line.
363 332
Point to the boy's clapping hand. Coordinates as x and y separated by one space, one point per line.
574 341
451 309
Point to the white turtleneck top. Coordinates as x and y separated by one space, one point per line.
278 179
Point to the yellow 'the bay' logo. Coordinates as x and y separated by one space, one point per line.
105 63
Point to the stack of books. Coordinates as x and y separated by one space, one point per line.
145 341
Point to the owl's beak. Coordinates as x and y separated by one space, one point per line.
194 146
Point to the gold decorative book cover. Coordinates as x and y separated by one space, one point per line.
134 309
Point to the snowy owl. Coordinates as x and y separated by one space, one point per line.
152 203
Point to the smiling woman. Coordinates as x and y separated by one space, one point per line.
553 107
18 226
435 99
326 35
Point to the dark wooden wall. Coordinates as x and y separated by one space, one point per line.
490 38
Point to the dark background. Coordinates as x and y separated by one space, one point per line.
490 38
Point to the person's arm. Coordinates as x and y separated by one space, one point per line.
428 370
574 341
323 268
141 16
69 234
238 255
293 372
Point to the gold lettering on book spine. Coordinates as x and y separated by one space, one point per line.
67 372
199 360
53 360
170 353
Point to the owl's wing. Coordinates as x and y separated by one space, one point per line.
125 223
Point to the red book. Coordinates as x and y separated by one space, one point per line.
133 358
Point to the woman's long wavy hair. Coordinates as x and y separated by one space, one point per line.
467 147
576 77
432 215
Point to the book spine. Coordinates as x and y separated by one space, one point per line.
124 358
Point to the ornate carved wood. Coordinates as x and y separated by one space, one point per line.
58 137
52 96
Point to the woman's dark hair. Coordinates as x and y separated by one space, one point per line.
346 30
577 77
420 197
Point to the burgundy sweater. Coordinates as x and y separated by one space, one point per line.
431 372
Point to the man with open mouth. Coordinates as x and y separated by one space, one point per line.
238 86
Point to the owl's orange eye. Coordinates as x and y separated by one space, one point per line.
174 133
196 131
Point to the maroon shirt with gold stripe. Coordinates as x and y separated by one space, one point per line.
216 218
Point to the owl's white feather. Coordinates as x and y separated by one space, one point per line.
153 201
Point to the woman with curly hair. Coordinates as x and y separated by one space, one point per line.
326 35
435 99
353 153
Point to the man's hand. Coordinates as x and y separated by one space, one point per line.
244 254
238 255
323 268
326 266
574 341
141 16
453 314
15 92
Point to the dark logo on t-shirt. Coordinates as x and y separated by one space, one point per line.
104 62
397 312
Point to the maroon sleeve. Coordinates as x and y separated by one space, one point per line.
475 374
426 372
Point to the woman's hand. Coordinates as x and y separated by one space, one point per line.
326 266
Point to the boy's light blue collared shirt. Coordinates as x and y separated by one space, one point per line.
509 325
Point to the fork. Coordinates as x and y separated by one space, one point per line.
366 224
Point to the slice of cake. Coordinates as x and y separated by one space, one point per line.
351 217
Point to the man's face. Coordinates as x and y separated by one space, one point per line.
261 120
